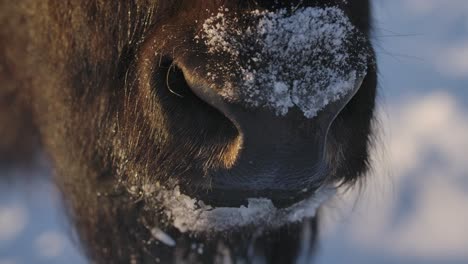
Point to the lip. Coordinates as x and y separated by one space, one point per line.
274 173
229 197
189 214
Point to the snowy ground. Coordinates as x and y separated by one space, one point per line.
414 208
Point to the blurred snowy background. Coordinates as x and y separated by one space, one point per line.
414 207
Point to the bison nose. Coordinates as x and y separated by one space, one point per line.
260 122
281 154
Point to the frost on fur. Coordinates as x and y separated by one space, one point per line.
265 57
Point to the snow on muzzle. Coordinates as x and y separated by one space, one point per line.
281 77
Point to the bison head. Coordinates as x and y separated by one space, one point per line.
175 125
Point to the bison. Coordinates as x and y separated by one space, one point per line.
191 131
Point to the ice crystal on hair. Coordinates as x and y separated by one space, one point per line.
190 215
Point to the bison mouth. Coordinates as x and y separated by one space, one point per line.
190 214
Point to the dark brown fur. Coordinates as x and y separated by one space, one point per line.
69 77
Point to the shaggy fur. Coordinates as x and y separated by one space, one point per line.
70 76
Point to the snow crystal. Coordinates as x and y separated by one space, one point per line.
162 237
188 214
307 57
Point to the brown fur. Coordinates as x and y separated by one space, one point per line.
70 83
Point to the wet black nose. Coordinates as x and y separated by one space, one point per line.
282 157
264 125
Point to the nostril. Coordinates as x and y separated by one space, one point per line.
178 80
168 86
182 82
204 89
173 77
